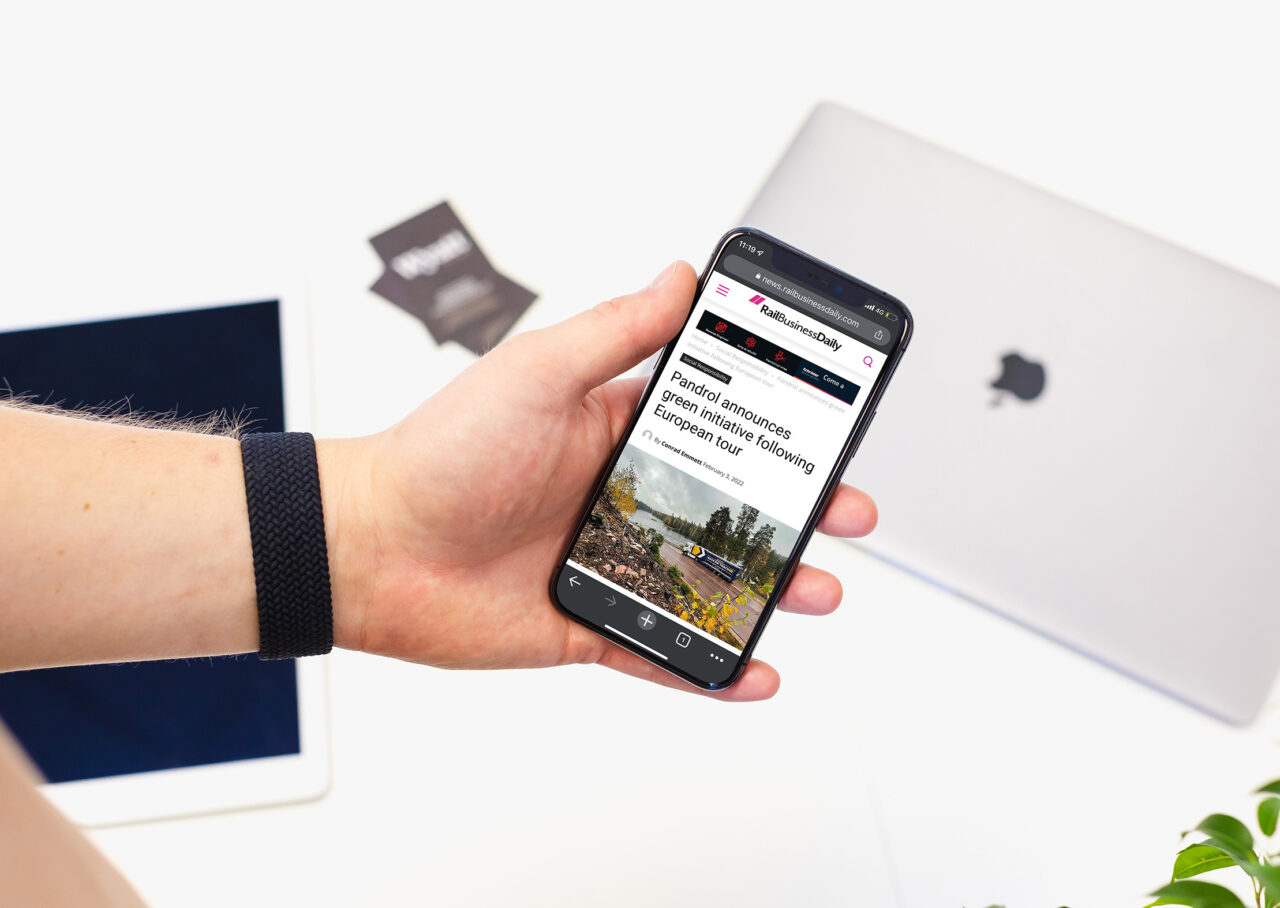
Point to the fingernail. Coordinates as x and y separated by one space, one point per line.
664 276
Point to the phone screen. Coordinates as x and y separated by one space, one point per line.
752 412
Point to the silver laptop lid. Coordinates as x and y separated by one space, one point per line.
1124 500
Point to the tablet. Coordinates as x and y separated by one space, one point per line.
119 743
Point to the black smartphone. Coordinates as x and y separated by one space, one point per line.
738 442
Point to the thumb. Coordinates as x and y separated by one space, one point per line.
605 341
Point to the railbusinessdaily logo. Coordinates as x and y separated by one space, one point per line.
779 316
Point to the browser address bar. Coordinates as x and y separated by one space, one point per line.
806 302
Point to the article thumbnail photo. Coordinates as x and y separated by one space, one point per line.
684 546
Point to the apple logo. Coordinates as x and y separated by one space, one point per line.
1023 378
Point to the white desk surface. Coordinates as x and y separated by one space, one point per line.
953 758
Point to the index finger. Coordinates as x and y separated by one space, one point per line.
851 512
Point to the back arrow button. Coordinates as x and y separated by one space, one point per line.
574 581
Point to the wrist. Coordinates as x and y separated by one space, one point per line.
344 466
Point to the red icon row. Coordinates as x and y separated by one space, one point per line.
780 357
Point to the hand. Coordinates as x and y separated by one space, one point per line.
446 528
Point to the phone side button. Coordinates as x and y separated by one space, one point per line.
857 442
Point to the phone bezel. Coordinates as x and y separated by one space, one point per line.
850 446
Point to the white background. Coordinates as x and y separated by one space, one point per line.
921 752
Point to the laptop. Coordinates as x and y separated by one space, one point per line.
1084 435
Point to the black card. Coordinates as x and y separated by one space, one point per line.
483 335
436 272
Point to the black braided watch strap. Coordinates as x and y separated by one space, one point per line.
290 556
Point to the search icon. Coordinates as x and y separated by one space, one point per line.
866 361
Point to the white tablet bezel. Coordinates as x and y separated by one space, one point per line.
241 783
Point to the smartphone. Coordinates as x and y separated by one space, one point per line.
738 442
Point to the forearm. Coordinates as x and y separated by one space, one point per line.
126 543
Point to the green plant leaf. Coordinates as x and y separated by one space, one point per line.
1232 851
1270 788
1269 877
1230 835
1197 859
1268 811
1196 894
